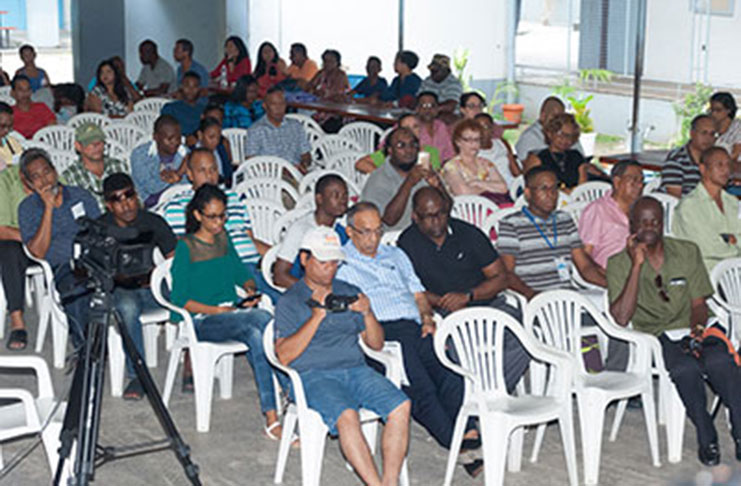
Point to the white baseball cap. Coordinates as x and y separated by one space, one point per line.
323 243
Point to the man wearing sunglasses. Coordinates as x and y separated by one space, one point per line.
660 285
132 295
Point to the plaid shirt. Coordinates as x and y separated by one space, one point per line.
77 175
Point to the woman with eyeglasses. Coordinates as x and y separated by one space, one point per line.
205 271
469 173
570 166
723 112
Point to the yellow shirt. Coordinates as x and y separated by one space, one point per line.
305 72
9 148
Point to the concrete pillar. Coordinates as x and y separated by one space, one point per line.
97 33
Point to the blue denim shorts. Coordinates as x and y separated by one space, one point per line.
331 392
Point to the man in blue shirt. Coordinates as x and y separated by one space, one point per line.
321 344
188 110
183 54
48 223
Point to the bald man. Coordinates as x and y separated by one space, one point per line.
532 140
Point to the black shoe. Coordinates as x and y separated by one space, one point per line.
738 449
474 468
470 445
134 390
709 455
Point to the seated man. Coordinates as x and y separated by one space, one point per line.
47 220
273 134
10 147
708 216
659 285
681 173
322 346
603 225
155 164
397 297
133 296
391 186
28 116
189 108
13 262
330 195
156 78
431 130
183 55
92 166
539 244
443 83
302 69
533 140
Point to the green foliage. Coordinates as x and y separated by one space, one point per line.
460 61
692 105
501 93
578 103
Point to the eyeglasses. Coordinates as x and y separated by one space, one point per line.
402 145
470 139
212 217
568 135
129 194
662 290
427 105
365 233
474 106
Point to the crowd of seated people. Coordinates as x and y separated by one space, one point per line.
445 145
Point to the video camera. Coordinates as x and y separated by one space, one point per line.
334 302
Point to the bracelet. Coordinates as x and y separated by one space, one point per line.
469 294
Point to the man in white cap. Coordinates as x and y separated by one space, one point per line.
317 322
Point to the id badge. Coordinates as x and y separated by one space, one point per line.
563 268
78 210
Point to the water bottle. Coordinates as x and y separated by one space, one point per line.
223 83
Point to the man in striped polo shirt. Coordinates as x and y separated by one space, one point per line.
538 245
681 171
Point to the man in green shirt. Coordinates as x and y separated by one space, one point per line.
709 216
13 262
660 285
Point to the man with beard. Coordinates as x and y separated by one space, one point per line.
391 186
660 285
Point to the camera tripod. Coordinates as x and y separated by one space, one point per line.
82 417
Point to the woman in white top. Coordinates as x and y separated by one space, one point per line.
496 149
723 113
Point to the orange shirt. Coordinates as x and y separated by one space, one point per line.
305 72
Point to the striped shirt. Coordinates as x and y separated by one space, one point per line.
238 223
448 89
680 170
388 279
535 260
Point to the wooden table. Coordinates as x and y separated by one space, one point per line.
649 159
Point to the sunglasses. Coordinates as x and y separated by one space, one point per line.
662 290
128 194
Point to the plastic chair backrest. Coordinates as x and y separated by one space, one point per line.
266 188
367 135
267 166
327 146
237 142
590 191
266 266
263 215
345 163
60 137
151 104
127 134
390 237
83 118
473 209
309 181
161 276
143 119
669 203
169 194
281 225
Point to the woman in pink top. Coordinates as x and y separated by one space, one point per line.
271 69
331 82
236 63
467 173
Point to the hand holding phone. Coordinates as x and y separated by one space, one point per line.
248 301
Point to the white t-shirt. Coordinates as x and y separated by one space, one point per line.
292 242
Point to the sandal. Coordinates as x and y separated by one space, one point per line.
17 340
187 385
295 443
134 390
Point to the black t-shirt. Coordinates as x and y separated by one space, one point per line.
565 165
454 267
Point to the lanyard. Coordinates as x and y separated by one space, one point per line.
555 232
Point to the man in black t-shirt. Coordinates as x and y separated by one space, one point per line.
459 267
133 296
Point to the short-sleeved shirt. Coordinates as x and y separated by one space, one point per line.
305 72
683 278
455 266
109 106
565 164
197 68
11 196
146 165
731 137
77 175
379 158
680 170
291 244
365 89
533 140
604 226
535 260
187 115
237 224
404 91
381 187
448 89
236 115
335 343
76 202
388 279
287 141
153 78
439 139
29 122
10 148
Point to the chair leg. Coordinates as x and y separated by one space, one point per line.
455 445
619 413
566 423
171 332
204 367
150 333
116 361
44 318
50 439
591 424
225 372
313 434
649 413
59 336
172 369
514 453
675 421
539 434
493 429
289 426
404 474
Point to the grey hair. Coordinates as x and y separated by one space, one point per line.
32 155
360 207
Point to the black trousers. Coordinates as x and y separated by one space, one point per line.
13 264
688 374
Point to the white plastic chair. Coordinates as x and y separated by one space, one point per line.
143 119
151 104
28 413
83 118
575 209
116 150
327 146
651 187
473 209
127 134
266 267
518 183
281 225
59 137
345 162
312 430
62 159
209 360
555 319
390 237
669 203
590 191
477 336
238 142
169 194
7 99
263 214
266 188
563 200
726 280
492 221
313 130
265 166
367 135
309 182
17 135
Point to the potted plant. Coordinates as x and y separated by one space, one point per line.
510 111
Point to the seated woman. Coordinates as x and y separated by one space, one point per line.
496 149
468 172
244 108
271 69
371 162
723 112
205 271
404 86
69 100
209 137
234 65
330 83
373 85
36 75
572 169
109 95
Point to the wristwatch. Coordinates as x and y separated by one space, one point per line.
469 294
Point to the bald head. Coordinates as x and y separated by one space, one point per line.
425 195
430 213
550 107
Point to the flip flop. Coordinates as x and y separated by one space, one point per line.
17 340
187 384
134 391
295 443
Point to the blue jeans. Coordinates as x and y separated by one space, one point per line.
131 303
75 299
245 326
262 285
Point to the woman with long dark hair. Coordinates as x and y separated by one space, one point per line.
244 108
109 95
235 64
271 69
723 112
205 271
